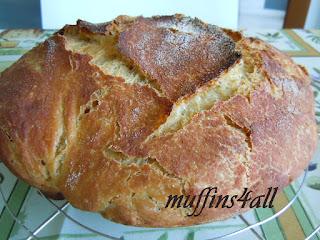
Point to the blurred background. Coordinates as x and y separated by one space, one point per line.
236 14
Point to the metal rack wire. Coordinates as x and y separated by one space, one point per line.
61 210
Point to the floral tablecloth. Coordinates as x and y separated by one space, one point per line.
33 210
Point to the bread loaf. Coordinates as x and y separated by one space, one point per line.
115 117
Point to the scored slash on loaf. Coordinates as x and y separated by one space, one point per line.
115 117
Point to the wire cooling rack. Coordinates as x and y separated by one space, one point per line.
62 210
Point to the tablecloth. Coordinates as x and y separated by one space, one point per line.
296 223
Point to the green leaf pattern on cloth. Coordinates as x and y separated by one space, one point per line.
316 87
270 37
163 236
314 182
314 37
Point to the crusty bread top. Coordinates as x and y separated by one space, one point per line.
161 48
117 116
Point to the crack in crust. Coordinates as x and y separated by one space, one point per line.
160 47
244 130
104 53
246 158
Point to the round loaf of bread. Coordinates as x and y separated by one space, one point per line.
116 117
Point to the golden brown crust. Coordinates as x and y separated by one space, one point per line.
42 95
161 48
81 124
